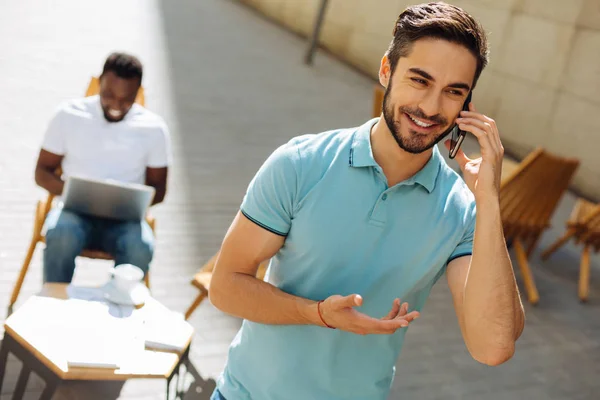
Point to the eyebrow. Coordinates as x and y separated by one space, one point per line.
424 74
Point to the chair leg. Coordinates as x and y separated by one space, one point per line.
530 288
584 274
532 243
24 268
556 245
195 304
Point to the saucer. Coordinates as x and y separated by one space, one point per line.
136 297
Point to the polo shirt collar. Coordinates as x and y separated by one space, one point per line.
361 155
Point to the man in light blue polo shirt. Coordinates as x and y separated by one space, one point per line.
354 220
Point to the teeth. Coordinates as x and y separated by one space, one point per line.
421 124
114 113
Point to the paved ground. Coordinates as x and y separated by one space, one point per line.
233 87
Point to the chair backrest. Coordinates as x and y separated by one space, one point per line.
530 195
94 88
586 222
592 221
582 213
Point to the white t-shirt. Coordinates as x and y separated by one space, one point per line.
98 149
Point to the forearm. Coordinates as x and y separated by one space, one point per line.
247 297
492 309
49 181
159 194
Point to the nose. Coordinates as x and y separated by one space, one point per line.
120 105
114 104
431 103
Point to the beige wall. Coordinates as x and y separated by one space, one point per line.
542 84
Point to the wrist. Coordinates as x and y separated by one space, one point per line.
320 311
489 198
309 312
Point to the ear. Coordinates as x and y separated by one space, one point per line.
384 71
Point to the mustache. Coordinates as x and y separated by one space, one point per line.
418 113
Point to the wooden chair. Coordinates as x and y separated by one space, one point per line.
584 226
528 198
509 166
203 277
378 94
41 212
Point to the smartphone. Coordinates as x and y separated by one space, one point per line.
458 136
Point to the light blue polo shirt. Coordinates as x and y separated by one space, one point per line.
346 232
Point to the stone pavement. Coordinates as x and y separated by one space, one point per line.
232 87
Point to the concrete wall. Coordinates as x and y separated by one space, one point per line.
542 84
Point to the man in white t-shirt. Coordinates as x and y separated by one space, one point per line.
107 136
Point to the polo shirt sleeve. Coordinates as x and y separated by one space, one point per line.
465 246
270 198
160 148
55 135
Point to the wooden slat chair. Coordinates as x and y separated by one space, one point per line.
203 277
509 166
528 199
584 226
44 206
378 93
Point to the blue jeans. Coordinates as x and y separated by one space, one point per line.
68 233
217 395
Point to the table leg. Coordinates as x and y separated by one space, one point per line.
30 363
3 360
22 382
177 371
182 362
49 390
177 380
168 385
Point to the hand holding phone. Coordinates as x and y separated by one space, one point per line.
458 135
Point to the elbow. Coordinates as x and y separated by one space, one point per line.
158 200
38 177
162 193
214 299
494 357
159 194
216 294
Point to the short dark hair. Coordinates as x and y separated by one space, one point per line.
125 66
441 21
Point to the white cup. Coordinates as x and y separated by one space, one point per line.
127 276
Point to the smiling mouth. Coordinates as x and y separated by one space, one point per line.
420 123
115 113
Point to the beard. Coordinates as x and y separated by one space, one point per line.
416 142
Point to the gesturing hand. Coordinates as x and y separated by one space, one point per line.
339 312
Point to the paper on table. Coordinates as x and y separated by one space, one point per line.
165 330
96 336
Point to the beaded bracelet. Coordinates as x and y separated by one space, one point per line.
320 316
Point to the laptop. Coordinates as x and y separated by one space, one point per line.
107 198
